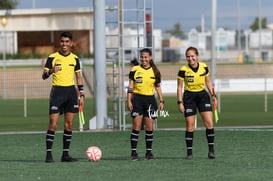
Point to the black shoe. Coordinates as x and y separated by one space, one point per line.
49 158
68 158
189 157
211 155
134 156
149 156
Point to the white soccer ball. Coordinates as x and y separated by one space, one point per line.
93 153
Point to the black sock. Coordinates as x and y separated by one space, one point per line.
67 136
210 138
149 141
134 140
189 141
49 140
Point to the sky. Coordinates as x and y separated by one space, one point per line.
230 13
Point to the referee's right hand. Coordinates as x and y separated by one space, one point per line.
130 106
56 68
181 108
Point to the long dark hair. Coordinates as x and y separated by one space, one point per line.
155 69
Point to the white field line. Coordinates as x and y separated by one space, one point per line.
233 128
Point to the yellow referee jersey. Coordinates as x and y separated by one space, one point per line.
68 64
194 78
144 80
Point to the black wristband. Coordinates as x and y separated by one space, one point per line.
82 95
162 101
179 102
80 87
129 90
46 74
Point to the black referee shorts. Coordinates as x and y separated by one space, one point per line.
63 99
196 100
144 105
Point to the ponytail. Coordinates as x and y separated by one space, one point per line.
157 73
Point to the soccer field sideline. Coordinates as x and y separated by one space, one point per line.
227 128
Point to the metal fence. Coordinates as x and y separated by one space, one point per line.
20 82
17 82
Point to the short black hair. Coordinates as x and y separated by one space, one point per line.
66 34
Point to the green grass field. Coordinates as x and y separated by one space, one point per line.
236 110
241 154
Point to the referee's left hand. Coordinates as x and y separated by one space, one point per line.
161 106
214 100
81 101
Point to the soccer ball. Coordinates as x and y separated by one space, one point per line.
93 153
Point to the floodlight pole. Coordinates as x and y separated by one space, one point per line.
239 28
213 36
100 64
4 22
260 30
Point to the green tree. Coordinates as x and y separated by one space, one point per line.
176 31
255 24
8 4
198 28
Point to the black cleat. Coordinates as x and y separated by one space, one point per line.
188 157
211 155
49 158
134 156
149 156
68 159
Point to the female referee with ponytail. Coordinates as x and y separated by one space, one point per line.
143 80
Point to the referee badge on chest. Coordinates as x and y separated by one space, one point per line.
139 81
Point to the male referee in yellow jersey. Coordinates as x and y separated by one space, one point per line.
64 66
